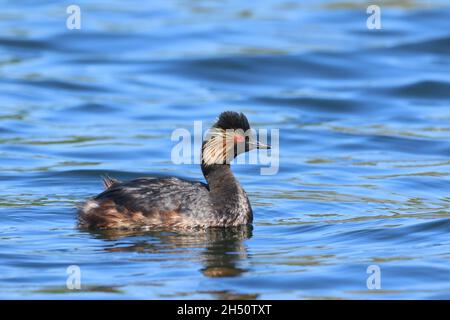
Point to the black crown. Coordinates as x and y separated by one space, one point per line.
232 120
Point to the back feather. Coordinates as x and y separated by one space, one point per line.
108 182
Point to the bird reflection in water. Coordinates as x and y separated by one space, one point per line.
223 248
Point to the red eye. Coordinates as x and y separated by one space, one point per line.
239 138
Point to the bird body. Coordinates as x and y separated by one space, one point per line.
175 203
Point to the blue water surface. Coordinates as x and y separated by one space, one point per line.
363 116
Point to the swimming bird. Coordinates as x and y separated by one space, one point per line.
171 202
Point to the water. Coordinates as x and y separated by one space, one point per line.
364 146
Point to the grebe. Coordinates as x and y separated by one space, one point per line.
155 202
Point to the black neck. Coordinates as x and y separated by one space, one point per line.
220 178
226 193
222 184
